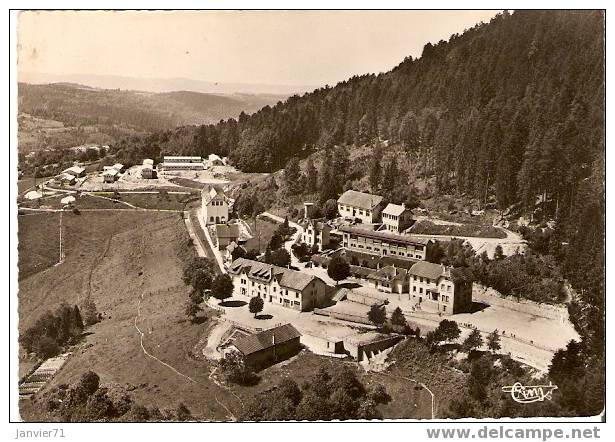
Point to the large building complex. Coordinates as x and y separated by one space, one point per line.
359 205
385 243
278 285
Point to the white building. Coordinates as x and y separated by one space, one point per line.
278 285
110 175
385 243
76 171
364 206
396 218
316 233
182 163
214 206
215 160
433 286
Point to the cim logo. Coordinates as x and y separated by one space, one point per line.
528 394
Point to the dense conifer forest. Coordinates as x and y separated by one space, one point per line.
511 111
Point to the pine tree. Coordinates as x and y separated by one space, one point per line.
311 176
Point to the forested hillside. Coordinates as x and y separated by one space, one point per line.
513 108
510 112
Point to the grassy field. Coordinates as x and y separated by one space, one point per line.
104 200
39 242
474 230
130 263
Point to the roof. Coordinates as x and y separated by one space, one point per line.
266 339
395 209
360 270
210 192
389 273
359 199
171 159
74 170
232 246
227 231
318 226
118 166
427 270
214 157
110 172
68 199
341 294
67 176
382 235
148 161
287 278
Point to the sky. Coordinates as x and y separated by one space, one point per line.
269 47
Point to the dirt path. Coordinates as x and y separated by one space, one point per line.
137 318
200 251
294 261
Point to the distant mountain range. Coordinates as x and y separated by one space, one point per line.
67 114
164 84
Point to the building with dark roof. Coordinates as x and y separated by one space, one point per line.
278 285
390 279
268 347
226 234
361 205
385 243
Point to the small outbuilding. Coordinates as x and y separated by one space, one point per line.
76 171
268 347
226 234
110 175
68 200
147 172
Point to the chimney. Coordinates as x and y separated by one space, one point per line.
306 209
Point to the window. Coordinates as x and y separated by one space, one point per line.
443 308
274 289
414 288
421 290
297 295
211 219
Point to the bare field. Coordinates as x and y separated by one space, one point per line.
131 262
